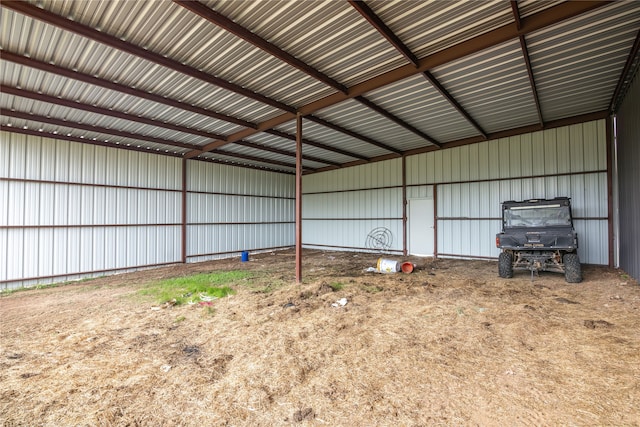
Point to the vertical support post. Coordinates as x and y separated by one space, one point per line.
299 198
404 205
610 213
184 211
435 221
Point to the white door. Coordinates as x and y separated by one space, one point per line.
420 227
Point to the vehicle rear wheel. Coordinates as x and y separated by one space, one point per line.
505 265
572 268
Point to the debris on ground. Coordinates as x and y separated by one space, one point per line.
340 303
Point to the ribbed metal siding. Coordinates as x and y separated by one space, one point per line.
340 208
514 169
628 143
234 209
83 209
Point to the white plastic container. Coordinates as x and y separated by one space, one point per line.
388 266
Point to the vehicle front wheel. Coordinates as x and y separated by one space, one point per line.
505 265
572 268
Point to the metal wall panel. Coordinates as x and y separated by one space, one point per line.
234 209
628 155
469 183
72 210
341 208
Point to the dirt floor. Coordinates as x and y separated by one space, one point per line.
449 344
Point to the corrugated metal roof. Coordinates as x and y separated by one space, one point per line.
492 86
420 104
429 26
576 66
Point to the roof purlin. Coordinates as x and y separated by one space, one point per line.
537 21
527 61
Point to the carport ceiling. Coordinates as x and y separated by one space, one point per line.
223 81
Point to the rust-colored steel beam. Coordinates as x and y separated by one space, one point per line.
263 147
316 144
109 40
446 95
364 101
624 76
353 134
248 36
183 225
383 29
299 199
527 61
76 75
104 111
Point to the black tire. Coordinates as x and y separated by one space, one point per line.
572 268
505 265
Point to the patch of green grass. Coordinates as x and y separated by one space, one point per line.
180 319
336 286
195 288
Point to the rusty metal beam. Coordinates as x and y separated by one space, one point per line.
299 198
76 75
109 40
240 31
527 61
104 111
446 95
383 29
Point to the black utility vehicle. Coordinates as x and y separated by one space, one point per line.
538 235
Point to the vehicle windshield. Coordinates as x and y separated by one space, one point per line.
537 216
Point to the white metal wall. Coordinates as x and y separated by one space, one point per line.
341 208
471 181
233 209
468 184
70 210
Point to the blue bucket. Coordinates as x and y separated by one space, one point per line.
245 256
